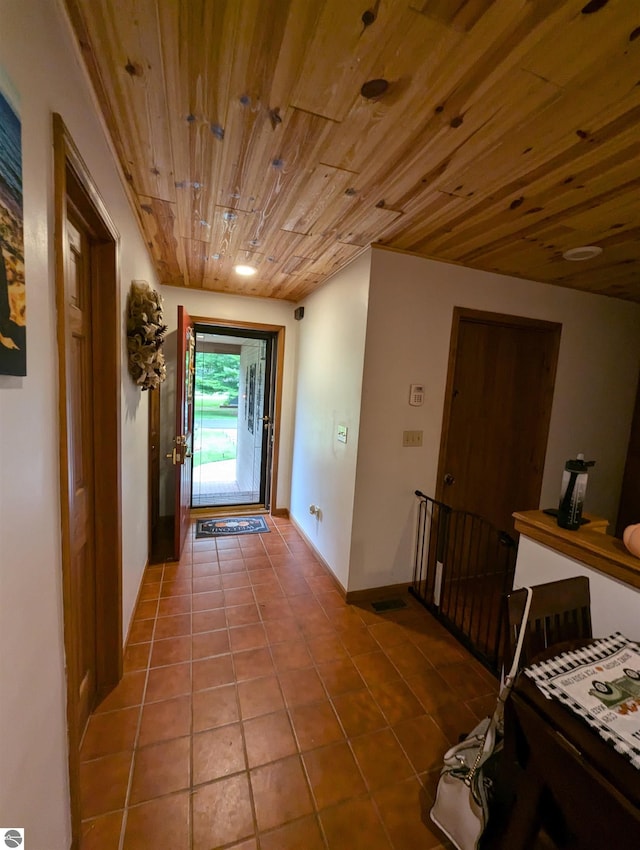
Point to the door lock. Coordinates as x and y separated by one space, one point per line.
449 478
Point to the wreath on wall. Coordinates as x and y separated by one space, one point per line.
145 335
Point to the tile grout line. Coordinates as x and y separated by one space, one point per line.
125 812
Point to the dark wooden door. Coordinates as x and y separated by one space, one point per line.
183 445
81 460
497 412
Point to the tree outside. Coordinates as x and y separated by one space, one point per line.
217 382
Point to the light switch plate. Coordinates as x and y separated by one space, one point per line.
412 439
342 433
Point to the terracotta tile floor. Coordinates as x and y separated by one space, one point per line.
258 711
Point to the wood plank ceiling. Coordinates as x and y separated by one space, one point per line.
291 134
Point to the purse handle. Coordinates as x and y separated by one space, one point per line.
489 736
508 682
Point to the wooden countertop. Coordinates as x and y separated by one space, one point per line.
589 544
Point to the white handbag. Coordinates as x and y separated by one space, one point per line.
461 808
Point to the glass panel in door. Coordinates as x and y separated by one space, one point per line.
229 444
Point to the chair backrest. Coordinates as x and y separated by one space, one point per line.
560 611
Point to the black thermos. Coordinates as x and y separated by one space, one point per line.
574 486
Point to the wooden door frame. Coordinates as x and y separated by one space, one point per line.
629 505
279 331
185 369
461 314
73 180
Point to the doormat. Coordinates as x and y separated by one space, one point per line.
226 526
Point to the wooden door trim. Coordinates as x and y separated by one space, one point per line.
72 179
184 413
279 331
467 314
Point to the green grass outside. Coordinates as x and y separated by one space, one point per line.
215 444
212 404
211 456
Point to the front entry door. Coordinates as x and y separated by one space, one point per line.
183 441
233 416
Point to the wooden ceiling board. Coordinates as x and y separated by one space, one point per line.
228 232
503 132
548 200
158 220
551 180
511 196
435 208
196 253
362 224
196 101
332 256
283 175
340 55
579 39
505 246
285 244
443 160
458 14
452 132
253 127
129 60
386 121
556 125
315 195
618 205
305 284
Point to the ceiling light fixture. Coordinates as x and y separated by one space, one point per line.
245 271
584 252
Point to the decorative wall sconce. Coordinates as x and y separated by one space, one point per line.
145 335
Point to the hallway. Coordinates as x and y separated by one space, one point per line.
258 711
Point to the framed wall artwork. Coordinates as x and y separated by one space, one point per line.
13 314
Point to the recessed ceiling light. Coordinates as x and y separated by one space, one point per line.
245 271
584 252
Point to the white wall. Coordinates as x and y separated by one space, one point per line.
38 55
215 305
330 362
411 305
615 606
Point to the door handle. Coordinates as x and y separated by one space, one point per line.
449 479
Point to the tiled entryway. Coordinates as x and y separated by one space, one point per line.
258 711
